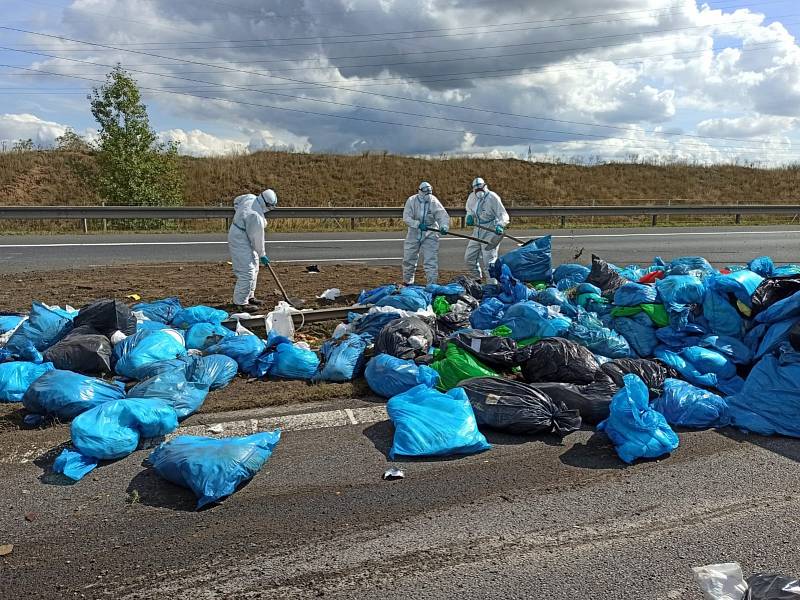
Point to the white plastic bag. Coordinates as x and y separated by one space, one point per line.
330 294
721 582
280 320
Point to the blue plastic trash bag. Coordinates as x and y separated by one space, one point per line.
774 336
729 387
690 335
162 311
287 361
388 376
215 370
632 272
706 360
185 396
553 297
685 368
769 402
722 316
634 294
753 337
635 429
588 288
213 468
787 308
679 290
511 289
569 275
587 330
244 349
741 284
375 294
113 430
9 322
43 328
685 264
451 289
685 405
186 317
430 423
488 315
74 464
17 377
185 363
343 358
202 335
65 394
531 319
731 347
411 297
531 262
145 347
639 332
763 266
151 326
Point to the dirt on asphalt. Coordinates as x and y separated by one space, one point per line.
211 284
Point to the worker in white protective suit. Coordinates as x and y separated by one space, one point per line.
423 213
484 208
246 244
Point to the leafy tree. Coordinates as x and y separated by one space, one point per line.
133 167
72 142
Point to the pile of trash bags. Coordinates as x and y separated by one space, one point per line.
540 349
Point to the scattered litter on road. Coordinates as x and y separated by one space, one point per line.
330 294
394 473
6 549
312 269
726 581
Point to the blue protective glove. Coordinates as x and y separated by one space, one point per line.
264 260
423 227
470 220
443 229
499 230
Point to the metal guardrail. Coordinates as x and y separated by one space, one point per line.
383 212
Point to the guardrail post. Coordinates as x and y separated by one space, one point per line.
655 220
563 221
738 218
227 223
352 222
86 226
463 222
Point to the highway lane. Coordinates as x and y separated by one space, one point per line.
534 517
719 245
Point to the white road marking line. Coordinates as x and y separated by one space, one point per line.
383 240
295 422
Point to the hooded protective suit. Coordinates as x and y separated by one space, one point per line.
246 241
423 208
487 210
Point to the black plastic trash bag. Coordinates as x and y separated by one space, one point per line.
406 338
470 285
518 408
457 318
768 586
106 317
652 372
83 350
494 351
604 277
592 401
772 290
557 359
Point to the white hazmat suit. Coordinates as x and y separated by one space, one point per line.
423 208
487 210
246 241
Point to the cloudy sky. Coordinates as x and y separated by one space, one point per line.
607 79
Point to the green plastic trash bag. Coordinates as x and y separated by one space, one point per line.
455 365
441 306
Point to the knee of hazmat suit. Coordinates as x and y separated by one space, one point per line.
422 212
246 240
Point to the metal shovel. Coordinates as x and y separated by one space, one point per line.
296 302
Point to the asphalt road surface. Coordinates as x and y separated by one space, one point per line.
530 518
624 246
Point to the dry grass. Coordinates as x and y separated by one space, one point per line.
47 178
